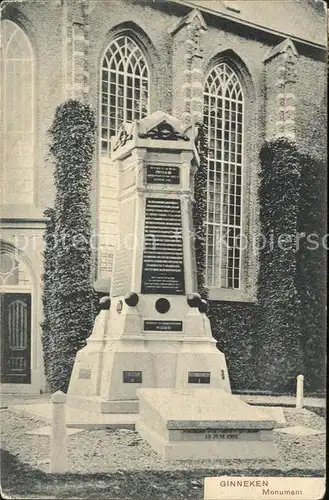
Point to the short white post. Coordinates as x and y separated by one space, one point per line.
58 445
299 391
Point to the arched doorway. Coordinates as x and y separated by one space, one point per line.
15 318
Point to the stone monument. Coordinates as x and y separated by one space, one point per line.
153 331
151 350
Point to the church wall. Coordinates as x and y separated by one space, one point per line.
311 124
43 25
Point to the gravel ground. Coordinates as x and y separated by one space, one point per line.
114 451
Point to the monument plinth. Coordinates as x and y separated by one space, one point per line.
154 332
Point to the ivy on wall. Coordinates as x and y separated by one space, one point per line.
311 267
68 295
49 268
200 210
277 351
269 343
232 327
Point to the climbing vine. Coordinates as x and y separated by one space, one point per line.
68 296
268 343
200 210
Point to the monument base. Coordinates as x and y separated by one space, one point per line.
121 357
100 406
199 424
107 381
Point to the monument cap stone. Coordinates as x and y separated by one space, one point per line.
205 408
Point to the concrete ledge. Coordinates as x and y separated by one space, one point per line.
78 419
22 389
110 421
127 406
205 450
283 401
223 424
275 412
87 403
96 404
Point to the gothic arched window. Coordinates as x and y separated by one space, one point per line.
17 113
224 120
124 87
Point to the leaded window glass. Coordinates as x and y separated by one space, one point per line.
224 120
124 87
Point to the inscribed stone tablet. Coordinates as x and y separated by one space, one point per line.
199 377
132 377
163 263
162 175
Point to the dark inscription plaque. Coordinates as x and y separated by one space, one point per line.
84 373
199 377
132 377
168 326
163 264
162 175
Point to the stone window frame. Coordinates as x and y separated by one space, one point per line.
141 39
249 256
31 133
17 274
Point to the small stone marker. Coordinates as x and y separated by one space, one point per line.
196 424
58 445
299 392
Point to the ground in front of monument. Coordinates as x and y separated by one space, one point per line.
119 464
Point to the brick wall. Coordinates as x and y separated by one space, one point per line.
311 91
42 22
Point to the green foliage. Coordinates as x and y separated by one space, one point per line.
200 210
277 328
232 326
269 343
68 296
311 265
49 267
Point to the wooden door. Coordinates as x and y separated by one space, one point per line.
16 338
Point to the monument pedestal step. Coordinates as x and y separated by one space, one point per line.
207 449
196 424
96 404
